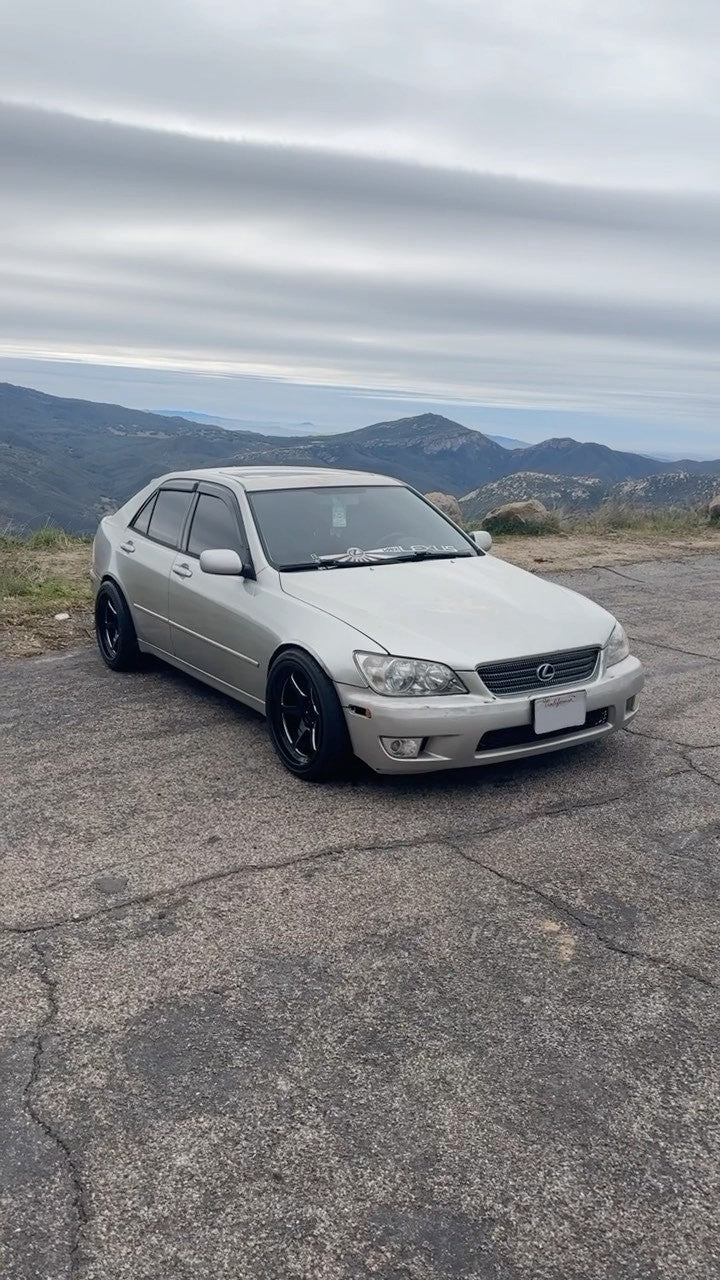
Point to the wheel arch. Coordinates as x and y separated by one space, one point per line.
297 647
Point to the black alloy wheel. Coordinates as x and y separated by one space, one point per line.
114 629
300 717
306 722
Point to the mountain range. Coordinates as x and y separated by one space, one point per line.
269 427
68 461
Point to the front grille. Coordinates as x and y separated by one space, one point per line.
506 679
519 734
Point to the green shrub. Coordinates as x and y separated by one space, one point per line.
48 538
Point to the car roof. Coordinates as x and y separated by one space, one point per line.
252 478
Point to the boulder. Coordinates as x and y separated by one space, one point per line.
446 503
714 507
519 517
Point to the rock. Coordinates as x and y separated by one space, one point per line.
519 517
447 503
714 507
62 617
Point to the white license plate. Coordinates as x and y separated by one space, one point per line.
560 711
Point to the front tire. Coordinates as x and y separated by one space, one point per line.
115 630
306 722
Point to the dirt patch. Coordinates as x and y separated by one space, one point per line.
36 585
555 553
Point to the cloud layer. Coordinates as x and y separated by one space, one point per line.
516 210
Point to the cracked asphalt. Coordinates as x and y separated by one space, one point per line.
460 1027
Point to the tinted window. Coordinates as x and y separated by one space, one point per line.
142 519
300 525
166 522
213 526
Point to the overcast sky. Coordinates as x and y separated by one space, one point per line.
508 210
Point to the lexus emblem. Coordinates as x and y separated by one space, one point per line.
545 672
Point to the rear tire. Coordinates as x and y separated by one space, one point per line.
115 630
306 722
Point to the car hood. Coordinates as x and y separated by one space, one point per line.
462 612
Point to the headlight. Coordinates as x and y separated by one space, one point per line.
617 646
407 677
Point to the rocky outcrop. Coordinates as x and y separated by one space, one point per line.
567 493
447 503
519 517
575 495
676 489
714 507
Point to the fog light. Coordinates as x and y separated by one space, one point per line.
402 748
631 704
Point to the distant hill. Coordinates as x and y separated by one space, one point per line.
567 457
509 442
68 461
675 488
567 492
241 424
572 493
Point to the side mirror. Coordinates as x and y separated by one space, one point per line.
481 538
224 561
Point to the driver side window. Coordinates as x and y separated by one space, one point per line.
213 527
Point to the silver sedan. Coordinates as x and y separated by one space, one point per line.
358 618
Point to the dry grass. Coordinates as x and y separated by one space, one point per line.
611 517
41 576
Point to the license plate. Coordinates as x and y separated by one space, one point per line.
560 711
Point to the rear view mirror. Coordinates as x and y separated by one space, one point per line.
223 561
482 539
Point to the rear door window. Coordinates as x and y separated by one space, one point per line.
214 526
142 519
168 516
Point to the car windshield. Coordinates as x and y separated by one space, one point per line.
341 527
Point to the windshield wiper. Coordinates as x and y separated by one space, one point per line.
344 560
304 564
435 555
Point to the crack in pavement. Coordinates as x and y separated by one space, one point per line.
686 750
710 777
330 851
608 569
78 1194
632 953
672 648
670 742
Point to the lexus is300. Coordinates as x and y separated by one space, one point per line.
358 619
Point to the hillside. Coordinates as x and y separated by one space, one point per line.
566 492
66 462
567 457
578 495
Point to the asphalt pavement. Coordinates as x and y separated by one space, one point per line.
456 1027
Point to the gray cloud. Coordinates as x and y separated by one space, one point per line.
95 160
513 209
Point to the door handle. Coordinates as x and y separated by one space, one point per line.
127 546
182 570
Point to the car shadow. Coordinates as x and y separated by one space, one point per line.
509 776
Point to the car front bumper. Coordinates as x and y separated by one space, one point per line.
452 727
